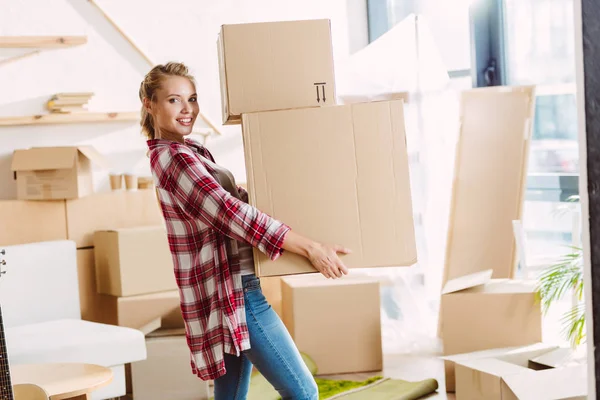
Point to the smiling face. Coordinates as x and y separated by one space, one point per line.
174 109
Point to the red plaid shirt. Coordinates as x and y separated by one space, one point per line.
201 217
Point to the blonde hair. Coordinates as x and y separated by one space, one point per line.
151 84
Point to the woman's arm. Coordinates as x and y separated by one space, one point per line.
323 257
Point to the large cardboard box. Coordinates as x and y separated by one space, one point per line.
275 65
24 222
53 173
480 313
489 180
335 322
336 174
111 210
166 372
132 261
515 374
131 311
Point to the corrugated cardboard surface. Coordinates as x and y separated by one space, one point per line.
501 313
335 322
166 373
512 376
52 173
111 210
24 222
130 311
133 261
336 174
275 65
489 181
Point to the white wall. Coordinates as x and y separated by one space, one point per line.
181 30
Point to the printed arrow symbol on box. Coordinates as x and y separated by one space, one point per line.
323 93
318 99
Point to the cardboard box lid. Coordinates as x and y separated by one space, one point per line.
555 383
559 358
44 158
468 281
482 282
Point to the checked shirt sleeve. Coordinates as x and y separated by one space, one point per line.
200 196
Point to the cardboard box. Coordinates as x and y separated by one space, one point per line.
52 173
24 222
275 65
166 372
514 375
335 174
111 210
480 313
131 311
132 261
335 322
489 180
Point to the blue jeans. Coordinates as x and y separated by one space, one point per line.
273 352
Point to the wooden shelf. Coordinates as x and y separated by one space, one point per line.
74 118
40 42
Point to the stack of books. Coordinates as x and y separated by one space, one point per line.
65 103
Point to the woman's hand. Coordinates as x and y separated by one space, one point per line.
323 257
326 260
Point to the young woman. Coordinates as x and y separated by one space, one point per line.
212 230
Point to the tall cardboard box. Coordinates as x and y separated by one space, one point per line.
275 65
515 374
489 180
23 221
110 210
131 311
335 322
132 261
53 173
336 174
166 372
480 313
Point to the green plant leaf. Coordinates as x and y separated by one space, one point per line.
573 322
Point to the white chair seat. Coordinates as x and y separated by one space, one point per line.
71 340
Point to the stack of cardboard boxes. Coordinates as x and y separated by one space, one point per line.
335 173
125 269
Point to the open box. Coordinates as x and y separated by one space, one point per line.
519 373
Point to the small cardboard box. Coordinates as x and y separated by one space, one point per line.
275 65
53 173
131 311
24 221
480 313
111 210
132 261
514 374
355 191
166 372
335 322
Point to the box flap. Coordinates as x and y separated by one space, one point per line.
506 351
560 383
94 156
559 358
43 158
493 366
468 281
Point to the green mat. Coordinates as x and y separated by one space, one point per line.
375 388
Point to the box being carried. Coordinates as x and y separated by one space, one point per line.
480 313
54 173
336 174
274 66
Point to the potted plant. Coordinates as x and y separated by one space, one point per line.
566 276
